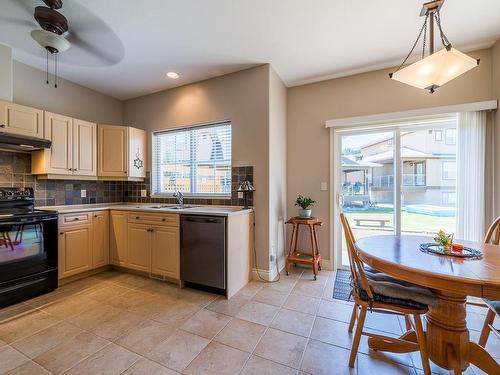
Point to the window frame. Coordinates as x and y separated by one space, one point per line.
446 137
153 177
443 171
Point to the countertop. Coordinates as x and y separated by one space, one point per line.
150 207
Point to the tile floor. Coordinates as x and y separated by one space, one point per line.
117 323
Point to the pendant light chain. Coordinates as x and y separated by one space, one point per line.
425 38
424 27
444 39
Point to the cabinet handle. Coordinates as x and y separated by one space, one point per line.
76 219
95 215
163 219
3 126
137 218
125 172
61 233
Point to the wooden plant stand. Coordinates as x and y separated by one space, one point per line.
295 256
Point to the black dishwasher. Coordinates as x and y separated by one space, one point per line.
203 252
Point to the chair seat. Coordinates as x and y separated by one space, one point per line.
493 305
389 290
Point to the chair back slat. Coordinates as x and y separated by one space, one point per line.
493 234
356 264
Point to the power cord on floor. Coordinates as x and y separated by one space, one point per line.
275 258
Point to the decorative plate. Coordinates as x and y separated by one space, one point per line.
435 248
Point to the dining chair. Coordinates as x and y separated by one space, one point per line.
492 237
380 293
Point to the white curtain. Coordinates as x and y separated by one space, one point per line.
471 150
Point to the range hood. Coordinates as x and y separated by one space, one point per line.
22 143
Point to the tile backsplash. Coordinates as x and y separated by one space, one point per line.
15 171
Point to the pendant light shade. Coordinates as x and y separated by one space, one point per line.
437 68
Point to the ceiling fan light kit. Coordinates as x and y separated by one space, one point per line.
438 68
54 25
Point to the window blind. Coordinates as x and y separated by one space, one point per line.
194 161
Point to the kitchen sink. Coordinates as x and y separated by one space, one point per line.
166 207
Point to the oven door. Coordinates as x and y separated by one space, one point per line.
28 247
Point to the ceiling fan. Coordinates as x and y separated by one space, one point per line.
85 38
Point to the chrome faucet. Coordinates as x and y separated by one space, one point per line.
180 198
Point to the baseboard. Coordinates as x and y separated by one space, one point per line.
271 274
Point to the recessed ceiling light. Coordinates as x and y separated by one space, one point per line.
173 75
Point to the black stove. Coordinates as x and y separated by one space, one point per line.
28 247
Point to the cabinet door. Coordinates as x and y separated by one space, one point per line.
139 251
137 153
59 129
100 243
19 119
118 238
84 148
75 250
112 151
165 251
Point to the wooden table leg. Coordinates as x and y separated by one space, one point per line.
447 333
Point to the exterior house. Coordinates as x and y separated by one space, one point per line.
428 170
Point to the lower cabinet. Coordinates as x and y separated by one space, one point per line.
118 238
75 250
139 247
165 252
146 242
100 239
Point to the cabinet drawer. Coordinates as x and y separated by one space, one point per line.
146 218
75 219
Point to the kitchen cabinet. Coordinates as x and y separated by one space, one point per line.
165 251
75 250
22 120
100 239
118 238
121 153
74 149
139 247
153 244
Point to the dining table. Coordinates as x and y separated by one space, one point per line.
452 279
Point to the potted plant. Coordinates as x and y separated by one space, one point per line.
304 203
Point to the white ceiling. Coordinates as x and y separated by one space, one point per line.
304 40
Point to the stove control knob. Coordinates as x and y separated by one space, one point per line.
10 193
26 193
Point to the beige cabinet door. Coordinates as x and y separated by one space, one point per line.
112 151
59 129
139 251
84 148
137 153
75 250
19 119
118 238
100 239
165 251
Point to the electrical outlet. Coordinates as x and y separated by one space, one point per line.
240 195
143 193
324 186
83 193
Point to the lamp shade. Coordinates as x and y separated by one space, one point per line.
47 39
435 70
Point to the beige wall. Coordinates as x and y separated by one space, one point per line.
309 106
495 82
68 99
241 97
277 164
5 73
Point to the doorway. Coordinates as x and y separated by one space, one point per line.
395 179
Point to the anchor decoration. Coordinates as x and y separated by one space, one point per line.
138 162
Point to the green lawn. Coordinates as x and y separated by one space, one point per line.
410 222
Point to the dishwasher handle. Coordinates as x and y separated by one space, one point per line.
202 219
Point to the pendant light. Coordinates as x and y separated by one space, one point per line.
437 68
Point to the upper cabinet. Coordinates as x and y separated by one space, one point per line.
19 119
121 151
73 152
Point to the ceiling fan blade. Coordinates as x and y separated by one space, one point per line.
107 56
18 22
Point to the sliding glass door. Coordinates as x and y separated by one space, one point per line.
396 180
